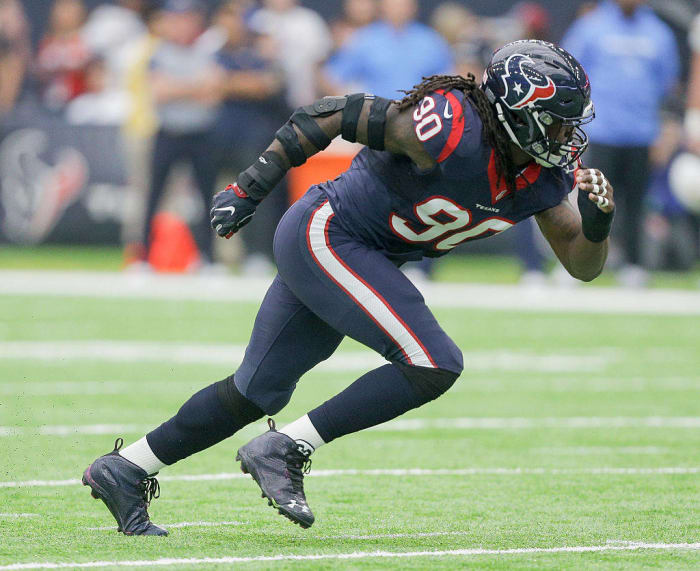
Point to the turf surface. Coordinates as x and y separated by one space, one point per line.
533 367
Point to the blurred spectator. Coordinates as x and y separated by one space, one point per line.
692 116
63 55
452 21
302 42
585 8
14 53
533 19
110 31
99 105
632 60
252 110
249 78
139 129
185 89
673 218
473 39
669 238
356 14
465 34
391 54
522 20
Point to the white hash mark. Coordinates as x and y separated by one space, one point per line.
357 555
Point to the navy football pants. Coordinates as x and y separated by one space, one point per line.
331 285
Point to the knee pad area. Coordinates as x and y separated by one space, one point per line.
428 382
233 401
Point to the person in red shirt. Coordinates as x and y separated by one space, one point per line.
63 56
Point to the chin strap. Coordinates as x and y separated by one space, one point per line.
502 118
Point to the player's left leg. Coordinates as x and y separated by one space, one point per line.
264 382
362 294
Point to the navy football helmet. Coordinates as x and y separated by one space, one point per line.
541 96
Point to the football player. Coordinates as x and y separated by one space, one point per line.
450 162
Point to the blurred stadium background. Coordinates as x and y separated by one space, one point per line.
575 422
119 120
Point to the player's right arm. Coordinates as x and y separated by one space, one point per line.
580 241
399 134
375 122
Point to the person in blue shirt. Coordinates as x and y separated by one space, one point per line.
631 58
368 60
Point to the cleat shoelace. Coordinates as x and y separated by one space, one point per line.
151 490
298 464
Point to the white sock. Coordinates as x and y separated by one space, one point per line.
140 453
303 432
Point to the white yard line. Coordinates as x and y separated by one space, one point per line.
417 535
359 555
580 383
8 515
592 360
69 430
401 425
400 472
592 450
493 423
179 525
218 288
50 388
145 351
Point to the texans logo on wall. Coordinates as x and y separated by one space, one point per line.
36 191
55 181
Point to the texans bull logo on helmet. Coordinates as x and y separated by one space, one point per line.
525 85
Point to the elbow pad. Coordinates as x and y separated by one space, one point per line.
351 106
304 120
376 124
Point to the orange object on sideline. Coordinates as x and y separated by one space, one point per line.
173 248
319 168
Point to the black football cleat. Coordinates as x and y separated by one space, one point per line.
126 490
278 466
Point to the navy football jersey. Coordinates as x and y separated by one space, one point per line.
387 202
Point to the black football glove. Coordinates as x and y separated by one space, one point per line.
231 209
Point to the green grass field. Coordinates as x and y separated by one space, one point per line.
565 431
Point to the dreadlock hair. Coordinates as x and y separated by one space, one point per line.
493 133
